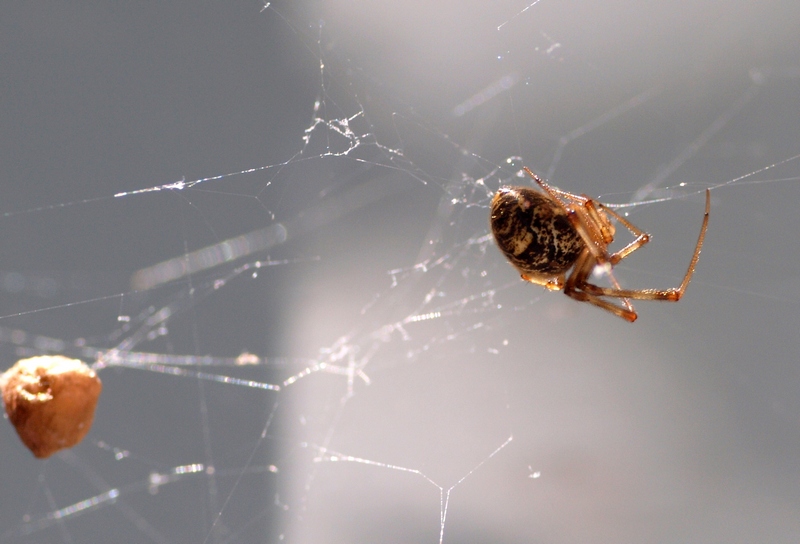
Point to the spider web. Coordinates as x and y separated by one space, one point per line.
266 228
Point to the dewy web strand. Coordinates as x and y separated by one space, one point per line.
325 332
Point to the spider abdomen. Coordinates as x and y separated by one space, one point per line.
533 233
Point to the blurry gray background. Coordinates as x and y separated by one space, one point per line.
681 427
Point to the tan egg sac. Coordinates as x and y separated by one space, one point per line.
50 400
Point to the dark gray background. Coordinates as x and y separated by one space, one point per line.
682 427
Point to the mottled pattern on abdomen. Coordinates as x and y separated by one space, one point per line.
533 232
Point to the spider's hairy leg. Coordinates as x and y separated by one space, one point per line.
700 239
576 288
593 227
556 194
595 211
552 283
671 295
641 237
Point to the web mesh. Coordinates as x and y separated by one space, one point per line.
266 227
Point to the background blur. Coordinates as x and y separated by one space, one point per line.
426 393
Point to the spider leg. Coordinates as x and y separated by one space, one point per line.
576 288
671 295
641 237
553 283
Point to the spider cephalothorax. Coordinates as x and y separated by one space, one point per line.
556 239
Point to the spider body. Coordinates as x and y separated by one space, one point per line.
534 234
557 239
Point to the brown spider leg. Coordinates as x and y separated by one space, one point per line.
553 283
589 232
576 282
671 295
599 219
641 237
610 274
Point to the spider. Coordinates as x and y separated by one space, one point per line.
545 235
